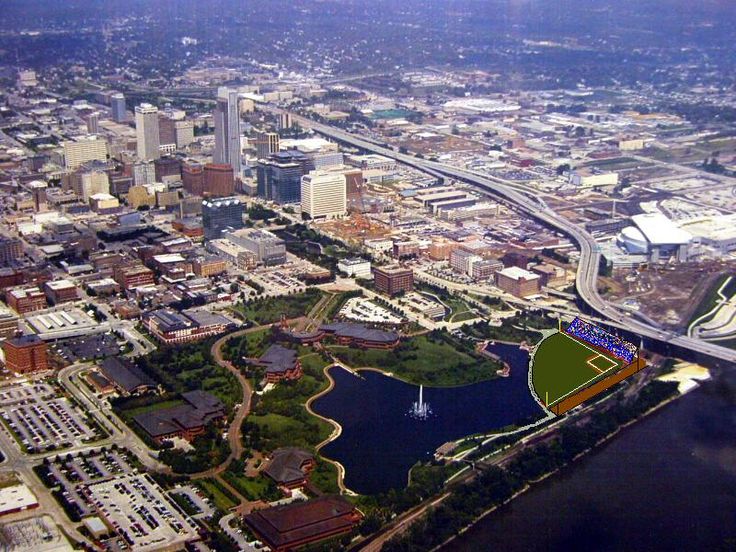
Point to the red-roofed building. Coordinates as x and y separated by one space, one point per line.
293 525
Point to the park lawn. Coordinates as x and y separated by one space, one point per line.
275 424
281 417
250 345
457 306
463 316
440 361
222 499
560 367
253 488
270 309
313 364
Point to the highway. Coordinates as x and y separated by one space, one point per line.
510 193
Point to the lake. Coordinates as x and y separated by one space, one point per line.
380 442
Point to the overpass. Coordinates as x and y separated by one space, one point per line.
521 200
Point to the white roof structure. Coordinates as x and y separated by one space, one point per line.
659 230
716 228
15 498
516 273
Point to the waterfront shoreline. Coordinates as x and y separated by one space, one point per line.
336 432
531 484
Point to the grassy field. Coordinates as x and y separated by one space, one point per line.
560 366
253 488
437 360
270 309
250 345
279 417
460 310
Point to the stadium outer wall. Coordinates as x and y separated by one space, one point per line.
598 387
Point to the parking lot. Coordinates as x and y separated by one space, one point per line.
139 511
88 348
41 420
195 501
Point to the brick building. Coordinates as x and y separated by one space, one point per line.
133 276
60 291
25 354
393 279
23 300
219 180
518 282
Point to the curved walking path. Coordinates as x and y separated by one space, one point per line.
234 436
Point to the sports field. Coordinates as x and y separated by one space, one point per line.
563 365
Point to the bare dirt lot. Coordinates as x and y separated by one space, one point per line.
669 294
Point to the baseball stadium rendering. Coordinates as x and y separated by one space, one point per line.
579 362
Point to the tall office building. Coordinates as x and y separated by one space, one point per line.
146 132
81 150
144 172
227 129
279 177
219 180
40 197
166 166
166 132
220 214
11 249
266 144
324 194
93 123
285 121
184 131
117 104
192 178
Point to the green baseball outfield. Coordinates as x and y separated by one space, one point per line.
563 366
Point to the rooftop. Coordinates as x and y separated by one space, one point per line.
659 230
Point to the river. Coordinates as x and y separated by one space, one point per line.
667 482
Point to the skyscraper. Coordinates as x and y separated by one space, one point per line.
323 194
279 176
266 144
219 214
227 129
146 131
117 103
93 123
218 180
192 177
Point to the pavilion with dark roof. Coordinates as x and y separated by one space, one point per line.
185 421
289 467
348 333
293 525
281 363
127 378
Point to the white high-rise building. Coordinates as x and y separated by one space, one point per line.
146 132
324 194
227 129
81 150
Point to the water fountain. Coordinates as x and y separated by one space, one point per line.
420 410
